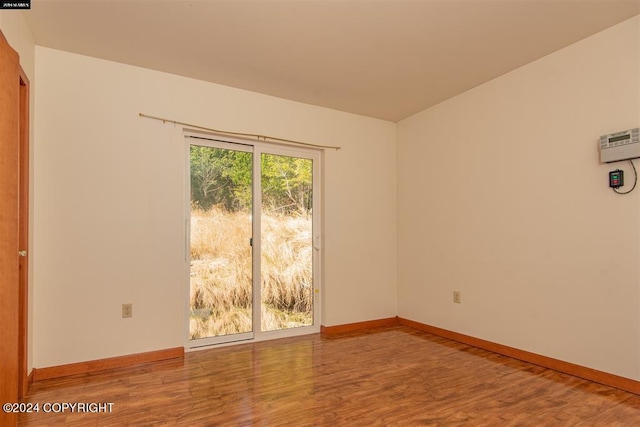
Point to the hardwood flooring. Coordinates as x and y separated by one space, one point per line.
392 376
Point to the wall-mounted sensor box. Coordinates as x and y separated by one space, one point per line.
620 146
616 178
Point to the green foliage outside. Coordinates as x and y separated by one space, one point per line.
286 184
223 178
220 178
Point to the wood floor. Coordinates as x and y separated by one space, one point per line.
382 377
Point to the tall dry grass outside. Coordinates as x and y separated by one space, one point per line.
221 271
287 271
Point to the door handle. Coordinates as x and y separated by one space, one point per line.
22 253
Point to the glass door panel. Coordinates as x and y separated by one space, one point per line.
286 239
220 267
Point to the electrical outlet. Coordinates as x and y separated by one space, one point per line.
457 297
127 310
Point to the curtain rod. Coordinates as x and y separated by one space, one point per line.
264 138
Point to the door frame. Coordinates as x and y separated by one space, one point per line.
23 296
257 148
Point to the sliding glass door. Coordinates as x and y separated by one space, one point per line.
253 241
221 228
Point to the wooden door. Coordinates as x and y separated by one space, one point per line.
10 353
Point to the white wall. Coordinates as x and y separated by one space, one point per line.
501 196
20 39
109 203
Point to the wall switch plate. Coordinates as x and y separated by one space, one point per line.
457 297
127 310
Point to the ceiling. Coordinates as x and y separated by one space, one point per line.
387 59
